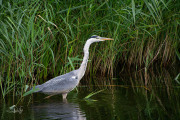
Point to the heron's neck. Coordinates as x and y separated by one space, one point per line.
83 66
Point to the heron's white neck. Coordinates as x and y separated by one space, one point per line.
83 66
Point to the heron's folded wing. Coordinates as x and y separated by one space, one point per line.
61 84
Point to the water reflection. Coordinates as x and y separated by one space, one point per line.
125 103
58 110
158 99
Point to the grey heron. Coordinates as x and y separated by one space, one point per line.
65 83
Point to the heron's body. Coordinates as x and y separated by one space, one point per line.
60 85
65 83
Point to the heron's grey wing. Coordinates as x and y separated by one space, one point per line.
49 83
60 84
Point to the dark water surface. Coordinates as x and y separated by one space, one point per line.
114 103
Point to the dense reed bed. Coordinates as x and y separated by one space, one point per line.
43 39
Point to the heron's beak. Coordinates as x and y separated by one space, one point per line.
103 38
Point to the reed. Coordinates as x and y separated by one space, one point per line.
43 39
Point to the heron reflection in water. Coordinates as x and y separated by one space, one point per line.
56 110
63 84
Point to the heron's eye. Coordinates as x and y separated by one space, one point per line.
97 37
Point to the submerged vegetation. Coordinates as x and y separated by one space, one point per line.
39 39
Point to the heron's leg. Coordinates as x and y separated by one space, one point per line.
48 96
64 95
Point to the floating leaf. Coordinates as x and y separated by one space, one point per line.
12 107
93 93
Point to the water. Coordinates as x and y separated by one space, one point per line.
160 100
114 103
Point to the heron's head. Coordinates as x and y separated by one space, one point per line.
96 38
93 39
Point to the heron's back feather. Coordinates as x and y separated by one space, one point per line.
60 84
